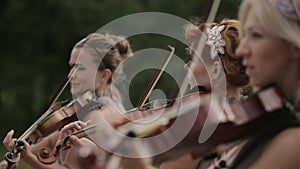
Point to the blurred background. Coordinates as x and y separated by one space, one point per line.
36 38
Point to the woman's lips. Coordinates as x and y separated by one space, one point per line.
74 84
249 70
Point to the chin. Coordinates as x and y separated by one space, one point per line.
75 92
259 84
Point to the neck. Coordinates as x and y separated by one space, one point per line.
291 90
290 85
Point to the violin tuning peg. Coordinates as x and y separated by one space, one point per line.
19 149
223 164
66 139
57 149
20 143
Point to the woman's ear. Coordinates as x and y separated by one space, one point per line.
106 74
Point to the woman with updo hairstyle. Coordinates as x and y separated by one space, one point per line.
107 52
216 65
207 71
94 60
225 61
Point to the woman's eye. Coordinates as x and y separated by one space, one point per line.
80 68
256 35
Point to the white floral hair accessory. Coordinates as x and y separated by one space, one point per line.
287 9
215 41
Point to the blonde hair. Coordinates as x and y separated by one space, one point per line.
109 50
234 70
274 20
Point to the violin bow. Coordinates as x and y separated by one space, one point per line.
199 49
155 79
201 43
13 157
80 133
48 111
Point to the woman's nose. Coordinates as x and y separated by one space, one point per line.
242 49
71 73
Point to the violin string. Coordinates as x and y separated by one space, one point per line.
143 98
48 111
147 89
211 17
80 133
63 88
160 73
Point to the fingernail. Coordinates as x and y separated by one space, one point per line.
73 138
11 131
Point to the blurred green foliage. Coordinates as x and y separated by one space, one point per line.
37 37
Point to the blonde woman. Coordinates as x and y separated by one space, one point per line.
93 62
270 48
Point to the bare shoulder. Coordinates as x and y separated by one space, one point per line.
282 152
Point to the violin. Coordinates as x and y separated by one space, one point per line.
50 121
237 120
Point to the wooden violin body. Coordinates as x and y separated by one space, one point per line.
60 117
230 121
51 121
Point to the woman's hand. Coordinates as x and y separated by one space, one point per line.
9 142
3 164
68 130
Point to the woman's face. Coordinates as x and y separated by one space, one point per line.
84 73
197 73
265 56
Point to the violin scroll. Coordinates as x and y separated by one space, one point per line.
12 160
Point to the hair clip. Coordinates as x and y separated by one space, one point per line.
287 9
215 41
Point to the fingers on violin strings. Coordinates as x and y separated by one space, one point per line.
78 125
74 126
8 138
79 142
11 144
75 141
88 122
